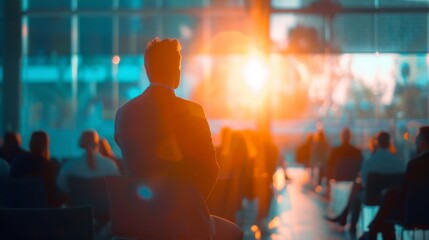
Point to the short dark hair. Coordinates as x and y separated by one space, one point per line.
160 57
383 139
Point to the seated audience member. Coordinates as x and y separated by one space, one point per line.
90 164
393 204
381 161
37 163
345 161
303 152
4 168
11 148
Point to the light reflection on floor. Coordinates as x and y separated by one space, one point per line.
295 213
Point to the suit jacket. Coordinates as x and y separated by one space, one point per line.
157 132
417 173
344 163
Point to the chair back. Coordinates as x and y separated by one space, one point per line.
153 207
416 207
46 223
85 191
29 192
376 183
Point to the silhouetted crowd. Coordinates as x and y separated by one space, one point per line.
382 179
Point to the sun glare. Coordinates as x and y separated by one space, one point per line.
255 73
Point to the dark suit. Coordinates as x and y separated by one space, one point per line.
344 163
157 129
393 205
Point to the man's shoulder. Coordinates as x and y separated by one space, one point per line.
194 109
420 161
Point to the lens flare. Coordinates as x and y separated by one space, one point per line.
255 73
144 192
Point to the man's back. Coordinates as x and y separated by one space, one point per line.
159 133
344 162
382 161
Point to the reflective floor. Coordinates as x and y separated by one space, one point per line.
296 213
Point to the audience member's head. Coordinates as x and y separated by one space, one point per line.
89 140
309 138
39 144
383 140
12 140
422 140
162 61
105 149
11 146
346 136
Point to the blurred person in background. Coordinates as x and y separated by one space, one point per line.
11 148
90 164
37 163
320 150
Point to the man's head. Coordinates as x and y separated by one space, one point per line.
422 140
346 136
383 140
162 61
39 144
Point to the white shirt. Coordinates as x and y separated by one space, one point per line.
382 161
79 167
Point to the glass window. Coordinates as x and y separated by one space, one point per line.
291 4
94 4
137 4
297 33
404 3
354 33
405 33
49 36
185 3
48 4
135 32
95 36
188 29
48 99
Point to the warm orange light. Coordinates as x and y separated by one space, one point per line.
116 59
406 136
255 73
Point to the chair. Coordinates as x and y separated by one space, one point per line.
375 185
91 192
29 192
416 210
46 223
152 208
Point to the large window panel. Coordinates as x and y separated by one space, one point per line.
354 33
297 33
49 36
95 4
95 36
135 32
47 4
185 4
187 29
138 4
404 33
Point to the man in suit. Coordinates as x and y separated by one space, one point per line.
159 133
393 205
